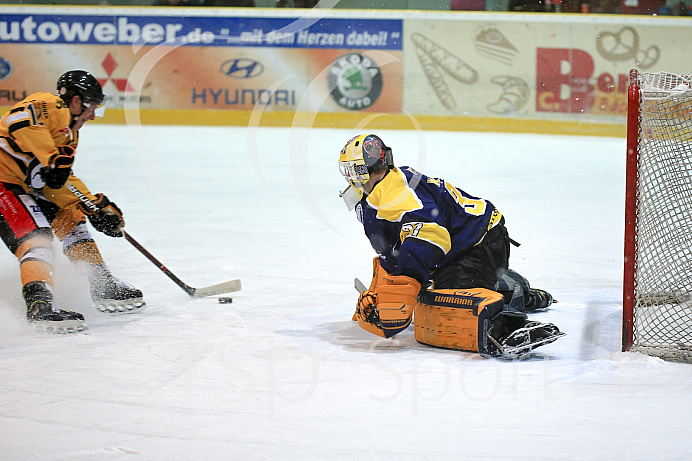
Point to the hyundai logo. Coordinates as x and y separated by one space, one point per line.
5 68
242 68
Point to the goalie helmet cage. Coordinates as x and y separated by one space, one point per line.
657 283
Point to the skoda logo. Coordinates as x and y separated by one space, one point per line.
5 68
354 81
242 68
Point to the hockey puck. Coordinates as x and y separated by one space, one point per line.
225 300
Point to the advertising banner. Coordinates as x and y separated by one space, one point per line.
487 70
570 67
320 64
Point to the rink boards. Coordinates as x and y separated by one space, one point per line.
542 73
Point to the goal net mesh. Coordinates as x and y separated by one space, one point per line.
662 321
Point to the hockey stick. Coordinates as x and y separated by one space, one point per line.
359 286
225 287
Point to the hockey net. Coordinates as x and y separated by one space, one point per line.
657 301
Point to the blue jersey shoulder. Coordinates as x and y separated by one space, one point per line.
418 223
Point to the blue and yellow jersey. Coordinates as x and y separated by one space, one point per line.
417 223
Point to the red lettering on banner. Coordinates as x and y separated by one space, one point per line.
562 80
606 83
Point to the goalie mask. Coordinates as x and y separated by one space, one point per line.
361 156
82 83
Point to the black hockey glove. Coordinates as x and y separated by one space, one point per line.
59 167
107 218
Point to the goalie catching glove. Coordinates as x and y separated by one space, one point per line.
107 217
386 309
59 167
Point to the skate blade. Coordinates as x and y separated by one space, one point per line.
61 327
120 307
536 311
518 351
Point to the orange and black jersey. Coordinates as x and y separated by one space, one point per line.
29 135
418 224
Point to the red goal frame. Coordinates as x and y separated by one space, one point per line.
631 186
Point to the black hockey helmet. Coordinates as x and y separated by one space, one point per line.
376 154
82 83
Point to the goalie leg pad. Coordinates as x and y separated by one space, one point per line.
458 319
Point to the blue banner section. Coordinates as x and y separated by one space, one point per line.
383 34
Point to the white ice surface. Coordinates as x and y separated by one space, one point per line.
283 372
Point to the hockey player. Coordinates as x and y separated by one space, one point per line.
432 239
39 198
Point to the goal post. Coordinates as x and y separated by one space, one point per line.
657 281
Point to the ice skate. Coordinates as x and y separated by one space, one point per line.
523 340
113 296
44 316
538 300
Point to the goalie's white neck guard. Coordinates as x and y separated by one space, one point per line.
351 195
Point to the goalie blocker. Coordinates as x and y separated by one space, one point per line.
473 320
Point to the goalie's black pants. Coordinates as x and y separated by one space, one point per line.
481 266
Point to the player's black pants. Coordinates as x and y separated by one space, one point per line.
479 267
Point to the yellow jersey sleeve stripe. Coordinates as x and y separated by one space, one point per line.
427 231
